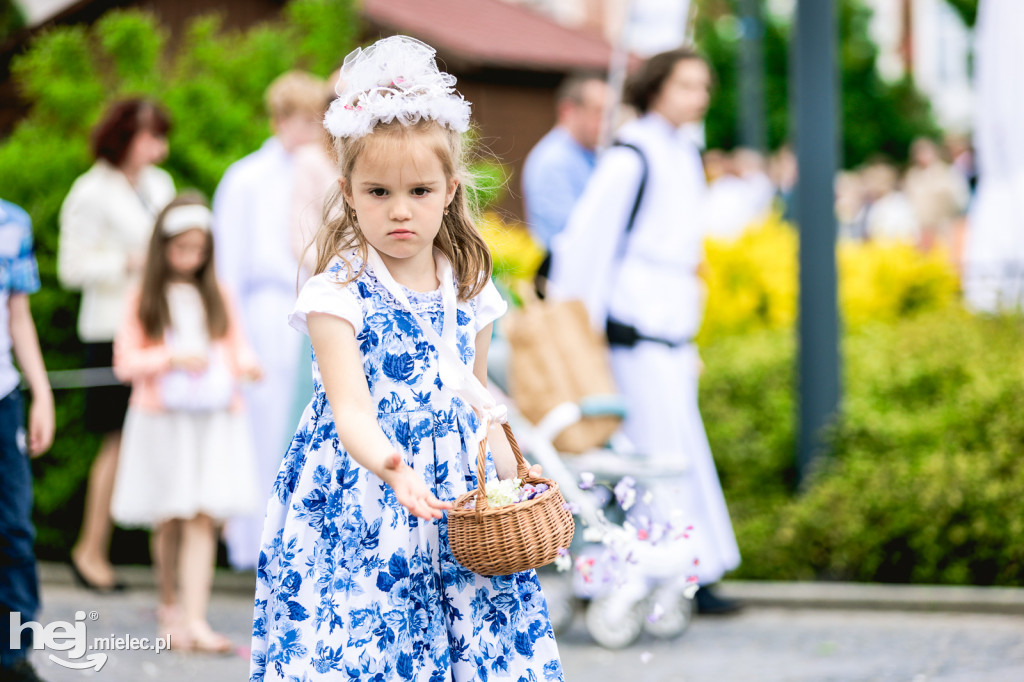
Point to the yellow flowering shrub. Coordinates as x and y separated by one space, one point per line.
883 282
752 281
516 254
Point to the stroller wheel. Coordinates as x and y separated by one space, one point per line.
613 622
670 615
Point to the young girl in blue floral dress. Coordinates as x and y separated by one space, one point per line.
356 579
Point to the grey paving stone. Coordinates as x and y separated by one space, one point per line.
761 644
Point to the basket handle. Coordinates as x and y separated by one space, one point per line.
521 469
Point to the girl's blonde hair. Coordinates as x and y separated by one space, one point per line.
459 239
154 312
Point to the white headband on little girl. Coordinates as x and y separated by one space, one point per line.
394 79
187 217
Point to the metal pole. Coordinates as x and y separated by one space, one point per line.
816 132
752 132
617 66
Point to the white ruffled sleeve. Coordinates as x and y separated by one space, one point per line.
489 306
324 294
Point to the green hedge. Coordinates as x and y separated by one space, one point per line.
926 483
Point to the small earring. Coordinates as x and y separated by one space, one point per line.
446 211
353 215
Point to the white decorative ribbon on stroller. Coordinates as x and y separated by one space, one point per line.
454 373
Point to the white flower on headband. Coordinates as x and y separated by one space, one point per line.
394 79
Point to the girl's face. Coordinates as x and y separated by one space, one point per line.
187 252
685 94
399 191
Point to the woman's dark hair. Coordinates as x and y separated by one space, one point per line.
647 81
123 120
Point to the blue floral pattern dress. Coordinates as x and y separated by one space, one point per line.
349 584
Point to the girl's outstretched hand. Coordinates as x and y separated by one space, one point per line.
411 490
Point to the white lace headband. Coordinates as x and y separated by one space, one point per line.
395 79
183 218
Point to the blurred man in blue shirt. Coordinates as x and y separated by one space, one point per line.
557 168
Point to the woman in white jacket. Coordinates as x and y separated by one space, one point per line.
643 288
105 225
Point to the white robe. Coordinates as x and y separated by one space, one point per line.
654 287
252 213
994 251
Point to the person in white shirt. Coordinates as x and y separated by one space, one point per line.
938 195
739 196
105 225
643 288
888 215
258 259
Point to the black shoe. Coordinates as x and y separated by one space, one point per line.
82 581
711 604
22 671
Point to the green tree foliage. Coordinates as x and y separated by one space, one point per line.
12 19
212 85
967 9
878 118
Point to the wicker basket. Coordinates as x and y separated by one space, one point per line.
516 537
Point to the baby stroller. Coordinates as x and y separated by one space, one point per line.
632 558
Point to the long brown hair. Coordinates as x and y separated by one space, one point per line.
459 239
154 312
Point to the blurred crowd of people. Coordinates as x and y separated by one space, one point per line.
924 205
743 185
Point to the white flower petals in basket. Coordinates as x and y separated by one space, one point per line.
395 79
